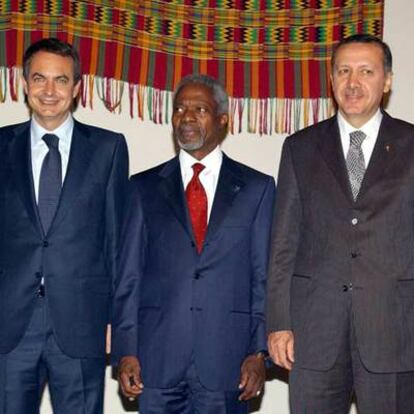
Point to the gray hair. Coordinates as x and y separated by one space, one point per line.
219 93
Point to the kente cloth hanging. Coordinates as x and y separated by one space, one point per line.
273 56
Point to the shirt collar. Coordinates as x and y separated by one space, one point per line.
370 128
63 131
212 161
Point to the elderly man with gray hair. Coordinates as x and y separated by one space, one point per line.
189 332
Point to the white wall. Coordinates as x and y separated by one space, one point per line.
150 144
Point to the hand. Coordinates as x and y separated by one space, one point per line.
252 378
129 377
280 345
108 339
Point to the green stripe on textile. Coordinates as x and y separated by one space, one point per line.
125 66
298 78
151 68
3 48
100 69
170 73
322 76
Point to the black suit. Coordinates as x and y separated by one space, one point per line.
173 307
340 268
76 258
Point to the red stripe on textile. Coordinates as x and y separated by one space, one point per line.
263 80
109 62
85 45
314 79
11 36
134 65
160 69
336 32
37 35
238 84
186 66
66 7
140 22
213 68
115 16
91 12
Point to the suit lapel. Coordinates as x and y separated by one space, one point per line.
382 156
330 147
21 164
171 187
79 159
229 185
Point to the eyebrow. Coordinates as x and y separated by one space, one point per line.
43 76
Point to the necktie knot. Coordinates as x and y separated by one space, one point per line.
357 137
52 141
197 168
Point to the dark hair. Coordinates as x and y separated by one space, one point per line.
366 38
57 47
219 93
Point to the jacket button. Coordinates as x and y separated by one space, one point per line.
354 221
197 276
354 255
45 243
345 288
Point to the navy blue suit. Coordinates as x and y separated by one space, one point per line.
76 258
174 306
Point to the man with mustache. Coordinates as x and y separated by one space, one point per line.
189 331
62 190
341 278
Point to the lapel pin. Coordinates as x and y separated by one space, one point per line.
236 188
387 148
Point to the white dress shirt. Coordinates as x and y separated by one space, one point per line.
39 149
370 129
208 177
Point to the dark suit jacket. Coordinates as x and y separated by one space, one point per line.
172 304
77 255
323 242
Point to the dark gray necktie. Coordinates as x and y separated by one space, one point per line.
355 162
50 183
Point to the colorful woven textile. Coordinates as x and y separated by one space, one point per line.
271 55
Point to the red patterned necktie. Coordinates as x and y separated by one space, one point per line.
197 205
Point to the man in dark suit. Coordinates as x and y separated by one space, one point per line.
341 279
62 187
189 328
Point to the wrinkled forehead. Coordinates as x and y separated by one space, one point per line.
196 90
352 52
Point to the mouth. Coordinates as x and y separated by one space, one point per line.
189 131
49 103
353 97
353 94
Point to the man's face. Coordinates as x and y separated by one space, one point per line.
197 127
359 81
50 88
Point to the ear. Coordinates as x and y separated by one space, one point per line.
388 82
223 120
25 86
76 89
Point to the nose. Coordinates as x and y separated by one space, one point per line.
188 115
49 87
353 80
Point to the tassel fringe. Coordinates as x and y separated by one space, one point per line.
258 116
